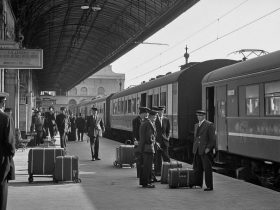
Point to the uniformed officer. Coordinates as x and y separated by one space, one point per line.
163 135
204 143
147 137
136 122
7 151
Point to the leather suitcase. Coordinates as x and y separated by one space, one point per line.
125 155
67 169
41 161
164 170
181 177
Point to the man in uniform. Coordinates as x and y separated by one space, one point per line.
204 143
81 125
163 135
62 126
136 122
95 128
7 151
146 146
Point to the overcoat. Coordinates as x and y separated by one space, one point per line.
147 137
7 148
204 137
95 127
163 132
136 122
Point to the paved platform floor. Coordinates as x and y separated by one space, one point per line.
105 187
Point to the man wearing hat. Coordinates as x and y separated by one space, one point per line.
7 151
62 126
163 135
204 143
136 122
146 147
50 121
95 128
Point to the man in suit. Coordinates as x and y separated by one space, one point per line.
163 135
7 151
62 126
50 122
136 122
204 143
95 128
81 125
146 147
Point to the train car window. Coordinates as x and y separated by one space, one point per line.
156 100
150 101
143 99
163 98
252 100
125 106
272 98
129 106
174 98
133 105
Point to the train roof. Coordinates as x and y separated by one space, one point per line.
151 84
245 68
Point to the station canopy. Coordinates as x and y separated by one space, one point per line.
77 42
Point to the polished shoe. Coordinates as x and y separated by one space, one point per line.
93 159
208 189
149 186
97 159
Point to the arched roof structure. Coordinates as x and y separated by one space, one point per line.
77 43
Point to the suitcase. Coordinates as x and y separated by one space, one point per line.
41 161
164 170
181 177
67 169
125 156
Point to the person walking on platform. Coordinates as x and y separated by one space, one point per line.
204 143
50 121
39 127
7 151
146 147
162 139
62 126
81 125
95 128
136 122
72 131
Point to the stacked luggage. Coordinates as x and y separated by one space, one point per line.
164 170
181 177
52 162
125 155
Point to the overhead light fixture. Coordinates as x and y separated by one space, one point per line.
96 8
85 5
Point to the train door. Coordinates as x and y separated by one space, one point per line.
210 104
221 124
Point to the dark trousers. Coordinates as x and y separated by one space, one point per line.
161 155
203 163
146 172
94 146
80 135
39 137
63 138
51 130
3 195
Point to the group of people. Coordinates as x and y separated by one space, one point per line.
51 123
151 134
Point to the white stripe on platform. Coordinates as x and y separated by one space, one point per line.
258 136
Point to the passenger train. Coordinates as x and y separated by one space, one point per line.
242 98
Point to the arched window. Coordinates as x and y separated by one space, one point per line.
72 105
73 92
84 91
101 91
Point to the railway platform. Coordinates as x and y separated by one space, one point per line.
106 187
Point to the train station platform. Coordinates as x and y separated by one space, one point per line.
105 187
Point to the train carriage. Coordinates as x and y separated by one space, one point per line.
244 101
180 92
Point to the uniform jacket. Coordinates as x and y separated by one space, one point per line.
95 127
62 123
136 122
204 137
163 131
147 135
7 148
